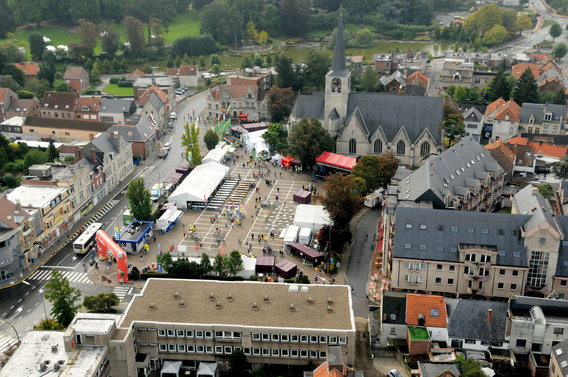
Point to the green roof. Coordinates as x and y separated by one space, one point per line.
418 333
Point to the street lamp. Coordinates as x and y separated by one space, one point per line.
12 326
42 297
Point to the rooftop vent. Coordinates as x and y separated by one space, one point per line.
293 288
310 301
254 306
211 297
230 297
329 301
56 367
182 304
329 309
266 299
54 348
42 367
218 305
176 295
292 308
305 289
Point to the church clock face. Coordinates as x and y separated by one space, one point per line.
336 84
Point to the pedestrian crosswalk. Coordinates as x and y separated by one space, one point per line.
5 343
121 292
107 207
72 276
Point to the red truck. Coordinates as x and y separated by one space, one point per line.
248 118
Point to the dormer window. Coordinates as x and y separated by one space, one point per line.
85 108
548 117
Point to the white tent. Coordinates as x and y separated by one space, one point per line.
199 184
207 370
305 236
216 155
290 234
311 216
256 142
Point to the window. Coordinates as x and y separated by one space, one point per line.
450 281
208 349
516 254
407 246
181 347
484 231
439 267
471 229
256 351
313 354
266 337
190 348
284 353
408 225
284 337
171 332
440 248
199 334
454 228
425 149
218 334
438 280
485 258
303 353
352 146
558 330
502 272
161 332
313 339
256 336
422 247
247 351
422 226
400 147
342 340
228 350
162 347
378 146
294 338
454 249
513 287
200 349
451 268
294 353
275 337
563 283
303 338
500 285
172 347
209 334
219 350
521 342
323 339
266 351
434 312
275 352
332 340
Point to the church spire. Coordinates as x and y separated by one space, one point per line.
338 63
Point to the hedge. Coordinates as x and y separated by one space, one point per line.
114 80
125 84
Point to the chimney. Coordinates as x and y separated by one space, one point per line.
94 155
489 312
18 205
111 134
91 137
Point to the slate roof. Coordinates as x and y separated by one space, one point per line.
530 201
502 234
438 370
422 304
308 106
560 352
448 172
562 264
23 104
538 110
135 133
117 105
338 66
390 112
468 319
521 305
394 307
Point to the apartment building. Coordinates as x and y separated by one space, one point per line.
487 254
197 320
545 118
457 72
60 105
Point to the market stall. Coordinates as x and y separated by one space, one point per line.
302 196
286 269
265 264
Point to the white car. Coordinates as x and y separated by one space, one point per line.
167 146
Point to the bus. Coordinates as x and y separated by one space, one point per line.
86 240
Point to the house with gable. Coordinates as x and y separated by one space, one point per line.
142 134
188 75
473 119
31 69
416 84
372 123
501 120
426 369
88 108
77 78
428 311
334 366
504 156
7 96
395 83
392 319
23 107
60 105
539 118
116 110
143 83
154 104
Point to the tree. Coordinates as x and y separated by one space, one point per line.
526 89
109 39
190 141
271 20
219 265
211 139
238 364
201 63
496 35
3 157
26 11
101 303
85 9
369 79
34 157
555 31
37 45
89 36
135 34
454 128
342 199
295 16
469 367
375 170
560 169
139 200
216 69
484 18
498 87
246 62
275 137
205 264
268 60
523 23
9 180
280 103
60 86
460 94
308 140
170 62
147 69
258 61
62 297
364 37
49 324
214 59
235 262
52 152
288 75
317 66
559 51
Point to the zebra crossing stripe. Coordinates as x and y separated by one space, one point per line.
5 343
76 277
121 292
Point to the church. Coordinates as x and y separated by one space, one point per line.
372 123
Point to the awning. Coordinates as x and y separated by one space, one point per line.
307 251
174 179
337 161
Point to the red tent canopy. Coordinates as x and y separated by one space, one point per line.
337 161
286 161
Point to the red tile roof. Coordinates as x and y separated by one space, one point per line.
93 103
146 95
422 304
62 101
172 71
558 151
322 371
73 73
517 140
502 110
417 78
188 70
519 69
235 91
539 58
503 148
8 213
29 68
3 94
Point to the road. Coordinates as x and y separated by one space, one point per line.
23 305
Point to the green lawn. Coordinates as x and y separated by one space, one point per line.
58 36
182 25
352 28
118 91
317 33
547 23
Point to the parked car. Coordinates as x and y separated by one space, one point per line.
171 125
167 146
163 153
394 373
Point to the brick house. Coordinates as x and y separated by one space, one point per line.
59 105
77 78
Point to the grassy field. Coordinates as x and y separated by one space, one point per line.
183 24
118 91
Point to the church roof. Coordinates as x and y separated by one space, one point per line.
308 106
338 67
391 112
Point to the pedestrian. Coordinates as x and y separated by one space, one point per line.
154 239
366 236
252 236
141 257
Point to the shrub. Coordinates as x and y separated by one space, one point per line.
254 278
290 281
92 91
12 167
125 84
135 273
114 80
9 180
